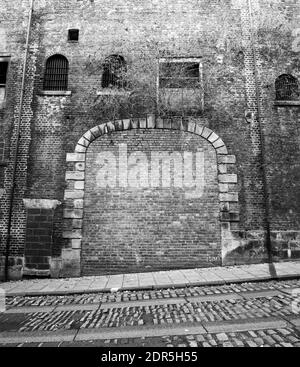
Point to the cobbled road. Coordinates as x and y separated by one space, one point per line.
265 314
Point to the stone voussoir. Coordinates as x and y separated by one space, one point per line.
213 137
80 149
151 122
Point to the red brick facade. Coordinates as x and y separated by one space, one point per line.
243 47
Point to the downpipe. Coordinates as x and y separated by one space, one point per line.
262 139
15 156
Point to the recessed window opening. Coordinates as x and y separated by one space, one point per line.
3 80
56 73
3 73
287 88
179 74
73 35
114 72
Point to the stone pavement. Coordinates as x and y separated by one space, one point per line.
230 315
156 280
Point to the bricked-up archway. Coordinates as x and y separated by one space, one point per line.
76 174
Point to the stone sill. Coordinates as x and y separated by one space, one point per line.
112 92
287 103
55 93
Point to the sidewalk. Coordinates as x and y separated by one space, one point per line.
156 280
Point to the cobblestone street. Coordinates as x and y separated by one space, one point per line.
261 314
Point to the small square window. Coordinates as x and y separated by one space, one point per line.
73 35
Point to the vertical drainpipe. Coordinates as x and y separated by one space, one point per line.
262 139
15 158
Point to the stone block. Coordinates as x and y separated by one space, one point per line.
74 234
73 214
222 168
143 123
80 149
176 123
151 123
110 127
119 125
80 166
206 133
228 178
227 159
75 157
191 127
135 123
103 129
229 197
218 143
159 123
213 137
222 150
76 244
126 124
96 131
199 130
85 143
77 223
74 194
89 136
78 204
79 185
75 175
223 188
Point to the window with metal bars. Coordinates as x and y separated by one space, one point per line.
56 73
287 88
114 72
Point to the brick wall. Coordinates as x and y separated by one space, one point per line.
216 31
130 229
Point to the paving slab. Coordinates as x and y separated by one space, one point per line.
37 336
143 303
139 332
245 325
155 280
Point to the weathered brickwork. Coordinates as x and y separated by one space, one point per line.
129 230
243 47
91 225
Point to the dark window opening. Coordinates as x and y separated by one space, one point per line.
73 35
56 73
114 72
287 88
3 73
179 75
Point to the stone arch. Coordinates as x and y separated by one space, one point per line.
75 183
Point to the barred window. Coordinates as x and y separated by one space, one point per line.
287 88
56 73
114 72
